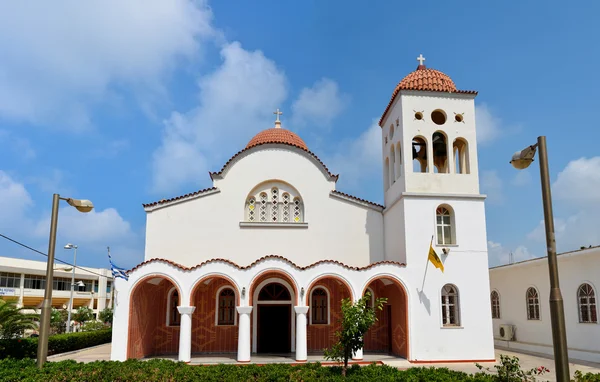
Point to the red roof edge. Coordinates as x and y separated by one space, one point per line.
357 198
163 201
220 172
264 258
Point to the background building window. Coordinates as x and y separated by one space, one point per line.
586 300
226 307
450 308
533 304
319 306
495 304
10 280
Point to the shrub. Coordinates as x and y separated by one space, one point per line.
27 347
106 316
90 326
165 370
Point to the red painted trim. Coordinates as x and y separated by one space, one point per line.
456 361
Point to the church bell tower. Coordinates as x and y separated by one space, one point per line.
430 168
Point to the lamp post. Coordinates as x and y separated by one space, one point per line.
521 160
71 246
81 205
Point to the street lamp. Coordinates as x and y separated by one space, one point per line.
522 160
71 246
81 205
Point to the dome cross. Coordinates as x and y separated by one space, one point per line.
420 59
278 113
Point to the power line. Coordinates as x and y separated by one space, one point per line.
55 259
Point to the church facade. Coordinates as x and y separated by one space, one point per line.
260 262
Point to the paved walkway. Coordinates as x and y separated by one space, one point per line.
528 361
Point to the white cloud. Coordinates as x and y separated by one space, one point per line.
492 185
358 159
58 58
500 255
488 125
92 231
579 182
522 178
575 192
319 104
235 102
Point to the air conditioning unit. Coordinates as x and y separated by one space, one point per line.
507 332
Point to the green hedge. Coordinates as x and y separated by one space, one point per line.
165 370
60 343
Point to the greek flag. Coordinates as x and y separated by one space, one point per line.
117 271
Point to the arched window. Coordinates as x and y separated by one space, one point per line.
419 155
319 305
398 161
174 316
461 156
226 314
586 299
440 152
445 225
533 304
495 297
450 307
386 175
392 173
274 202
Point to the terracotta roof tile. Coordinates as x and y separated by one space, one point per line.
356 198
425 79
278 135
218 260
163 201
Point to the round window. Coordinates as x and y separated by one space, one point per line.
418 115
438 117
458 117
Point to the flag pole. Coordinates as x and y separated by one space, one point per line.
426 265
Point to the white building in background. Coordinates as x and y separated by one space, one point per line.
260 261
521 308
24 281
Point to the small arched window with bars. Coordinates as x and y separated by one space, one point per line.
495 298
226 315
450 307
319 306
586 299
533 304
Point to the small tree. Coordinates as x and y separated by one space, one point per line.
106 316
356 320
83 314
58 320
13 322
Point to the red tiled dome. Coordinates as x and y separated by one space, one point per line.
426 79
277 135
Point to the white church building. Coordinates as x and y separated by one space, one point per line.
260 262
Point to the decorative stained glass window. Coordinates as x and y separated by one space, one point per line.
263 207
286 208
251 207
297 210
274 205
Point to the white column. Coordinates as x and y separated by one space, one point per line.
244 333
358 355
185 333
301 348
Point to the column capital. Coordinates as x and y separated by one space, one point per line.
186 309
301 309
244 309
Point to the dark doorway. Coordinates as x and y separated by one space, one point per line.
274 328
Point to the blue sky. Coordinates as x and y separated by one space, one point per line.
130 103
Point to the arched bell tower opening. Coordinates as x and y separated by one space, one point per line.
419 154
440 152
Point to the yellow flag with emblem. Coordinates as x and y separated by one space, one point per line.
434 258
